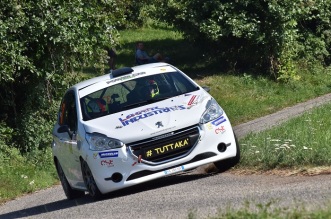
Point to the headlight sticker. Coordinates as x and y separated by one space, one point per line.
108 154
218 121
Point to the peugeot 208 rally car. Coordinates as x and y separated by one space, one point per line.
137 124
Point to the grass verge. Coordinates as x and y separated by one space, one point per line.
300 144
25 174
266 211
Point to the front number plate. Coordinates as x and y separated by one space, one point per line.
174 170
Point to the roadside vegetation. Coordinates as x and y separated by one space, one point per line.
246 83
265 211
301 145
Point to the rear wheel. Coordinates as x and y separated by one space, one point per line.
69 192
89 181
224 165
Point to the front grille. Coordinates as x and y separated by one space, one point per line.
173 146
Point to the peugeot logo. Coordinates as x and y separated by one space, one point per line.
159 124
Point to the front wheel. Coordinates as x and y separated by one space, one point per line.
69 192
89 181
224 165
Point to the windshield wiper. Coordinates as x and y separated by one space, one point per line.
140 103
144 102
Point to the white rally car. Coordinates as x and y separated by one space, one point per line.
135 125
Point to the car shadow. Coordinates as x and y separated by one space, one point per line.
64 204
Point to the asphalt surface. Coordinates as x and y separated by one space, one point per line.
195 192
279 117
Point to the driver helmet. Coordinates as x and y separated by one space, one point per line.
153 88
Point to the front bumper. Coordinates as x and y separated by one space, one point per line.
122 168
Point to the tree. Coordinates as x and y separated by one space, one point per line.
43 46
268 35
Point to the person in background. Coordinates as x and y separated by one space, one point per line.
142 56
112 58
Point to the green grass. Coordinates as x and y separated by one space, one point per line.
301 142
244 96
24 174
268 211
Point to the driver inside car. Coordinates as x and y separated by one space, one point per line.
150 89
145 89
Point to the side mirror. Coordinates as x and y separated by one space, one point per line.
65 129
206 89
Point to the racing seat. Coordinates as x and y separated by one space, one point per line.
97 107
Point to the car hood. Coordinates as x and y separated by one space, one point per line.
153 119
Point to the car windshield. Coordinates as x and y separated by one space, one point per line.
134 93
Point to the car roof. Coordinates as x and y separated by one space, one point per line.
147 68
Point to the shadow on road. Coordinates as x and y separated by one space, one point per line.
64 204
158 183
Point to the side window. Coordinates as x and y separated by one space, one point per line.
68 112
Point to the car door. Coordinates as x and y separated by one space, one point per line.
66 141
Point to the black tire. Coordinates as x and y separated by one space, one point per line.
89 181
69 192
224 165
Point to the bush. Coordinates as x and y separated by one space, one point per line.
266 35
43 44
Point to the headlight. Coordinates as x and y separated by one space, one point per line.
213 111
99 142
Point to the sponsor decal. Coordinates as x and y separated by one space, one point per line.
209 126
134 163
167 148
108 154
126 77
134 117
220 130
193 101
118 127
108 163
218 121
95 155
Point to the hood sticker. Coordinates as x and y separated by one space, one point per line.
132 118
193 101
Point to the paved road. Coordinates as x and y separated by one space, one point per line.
195 191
